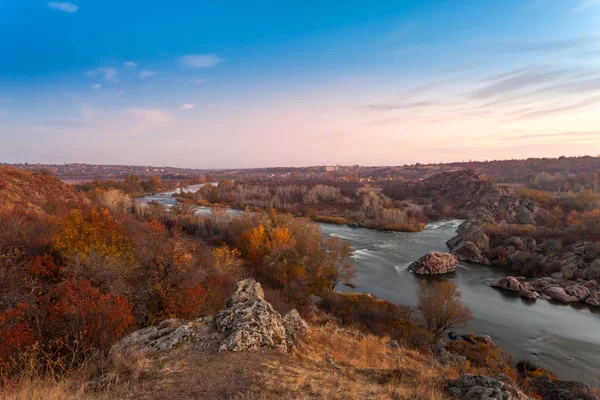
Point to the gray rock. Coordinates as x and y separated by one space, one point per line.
515 285
296 328
558 293
557 275
434 263
549 391
479 387
593 271
149 340
581 292
250 321
467 251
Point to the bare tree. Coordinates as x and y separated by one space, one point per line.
338 264
439 301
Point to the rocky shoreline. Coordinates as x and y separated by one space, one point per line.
566 273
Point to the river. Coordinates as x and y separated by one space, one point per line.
562 338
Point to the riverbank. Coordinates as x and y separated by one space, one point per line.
542 331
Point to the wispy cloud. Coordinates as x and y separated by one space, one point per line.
96 86
185 107
400 106
146 74
65 7
199 81
130 64
544 112
550 46
107 73
518 80
200 60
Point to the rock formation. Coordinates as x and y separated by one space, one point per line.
515 285
251 322
479 387
434 263
248 322
149 340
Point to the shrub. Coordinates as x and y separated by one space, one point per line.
330 220
439 301
16 335
483 355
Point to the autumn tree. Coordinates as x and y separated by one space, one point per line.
228 261
439 301
338 266
80 236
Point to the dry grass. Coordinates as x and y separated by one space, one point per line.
335 363
361 367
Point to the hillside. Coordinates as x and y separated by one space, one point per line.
249 351
34 191
464 193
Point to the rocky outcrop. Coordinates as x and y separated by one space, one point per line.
560 294
566 291
552 391
296 328
434 263
248 322
251 322
479 387
513 284
149 340
470 245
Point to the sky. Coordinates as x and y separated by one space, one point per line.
237 84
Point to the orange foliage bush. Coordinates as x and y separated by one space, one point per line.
97 233
483 355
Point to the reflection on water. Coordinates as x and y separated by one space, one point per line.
562 338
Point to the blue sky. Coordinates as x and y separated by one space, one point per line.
247 84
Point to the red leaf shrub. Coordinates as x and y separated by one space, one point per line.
186 302
15 336
77 311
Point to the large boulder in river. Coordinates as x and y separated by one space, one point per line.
434 263
250 321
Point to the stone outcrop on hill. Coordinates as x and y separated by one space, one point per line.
149 340
471 193
251 322
434 263
248 322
